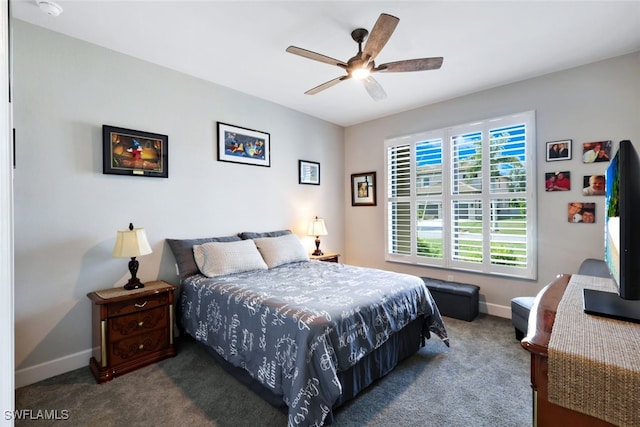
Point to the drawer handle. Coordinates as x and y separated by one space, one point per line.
140 324
140 305
141 346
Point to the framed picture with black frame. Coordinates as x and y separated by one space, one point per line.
363 189
559 150
308 172
241 145
134 152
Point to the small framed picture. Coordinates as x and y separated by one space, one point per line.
557 181
598 151
593 185
308 172
363 189
581 212
559 150
134 152
242 145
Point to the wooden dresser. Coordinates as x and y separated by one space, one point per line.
541 320
131 329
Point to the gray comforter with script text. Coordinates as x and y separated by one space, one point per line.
293 327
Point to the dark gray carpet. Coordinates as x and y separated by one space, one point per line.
481 380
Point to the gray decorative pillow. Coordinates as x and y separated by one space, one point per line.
255 235
281 250
222 258
183 252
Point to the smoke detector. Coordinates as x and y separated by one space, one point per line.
49 7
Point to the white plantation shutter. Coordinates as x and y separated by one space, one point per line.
509 203
399 186
464 197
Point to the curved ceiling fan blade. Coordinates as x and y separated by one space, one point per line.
375 90
326 85
315 56
379 36
421 64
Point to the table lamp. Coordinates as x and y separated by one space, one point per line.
132 243
317 228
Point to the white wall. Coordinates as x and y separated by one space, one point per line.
67 212
595 102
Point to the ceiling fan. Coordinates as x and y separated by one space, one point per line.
362 65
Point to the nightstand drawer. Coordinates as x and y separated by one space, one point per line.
138 345
138 304
124 326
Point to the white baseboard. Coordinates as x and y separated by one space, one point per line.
495 310
40 372
45 370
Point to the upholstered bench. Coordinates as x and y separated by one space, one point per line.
457 300
520 309
521 306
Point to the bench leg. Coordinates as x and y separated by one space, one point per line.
519 334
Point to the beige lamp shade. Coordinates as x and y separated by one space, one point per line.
317 228
131 243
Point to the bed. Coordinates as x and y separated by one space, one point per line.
306 335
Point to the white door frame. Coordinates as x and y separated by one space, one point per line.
7 358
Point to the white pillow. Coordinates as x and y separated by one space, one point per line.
281 250
220 258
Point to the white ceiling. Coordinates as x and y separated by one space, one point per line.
241 44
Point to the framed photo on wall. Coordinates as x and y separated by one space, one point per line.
581 212
559 150
363 189
242 145
308 172
598 151
557 181
594 185
134 152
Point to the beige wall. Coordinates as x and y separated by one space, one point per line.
600 101
67 212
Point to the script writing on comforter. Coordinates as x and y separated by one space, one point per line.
295 326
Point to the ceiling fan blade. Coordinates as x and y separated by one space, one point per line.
315 56
375 90
380 34
326 85
421 64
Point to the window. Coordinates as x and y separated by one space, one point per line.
464 197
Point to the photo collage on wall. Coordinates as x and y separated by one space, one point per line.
591 184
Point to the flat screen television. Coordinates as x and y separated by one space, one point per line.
621 239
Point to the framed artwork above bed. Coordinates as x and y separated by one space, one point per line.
241 145
134 152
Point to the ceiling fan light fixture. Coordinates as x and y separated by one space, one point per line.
360 73
362 65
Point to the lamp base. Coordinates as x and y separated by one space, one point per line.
133 283
317 252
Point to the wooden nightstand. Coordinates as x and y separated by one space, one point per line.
326 257
131 329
